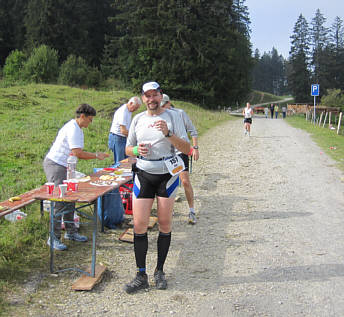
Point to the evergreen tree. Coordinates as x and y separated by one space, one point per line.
319 33
337 50
12 29
269 73
299 75
190 47
72 27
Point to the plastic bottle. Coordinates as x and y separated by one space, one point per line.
15 215
71 166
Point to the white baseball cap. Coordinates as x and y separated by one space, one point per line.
152 85
165 99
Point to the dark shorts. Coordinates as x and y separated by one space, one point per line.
248 120
148 185
185 159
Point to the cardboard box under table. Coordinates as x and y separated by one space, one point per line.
87 195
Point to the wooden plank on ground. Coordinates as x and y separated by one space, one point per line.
85 282
127 235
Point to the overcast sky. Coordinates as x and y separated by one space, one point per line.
272 21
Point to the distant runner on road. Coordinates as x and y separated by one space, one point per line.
248 114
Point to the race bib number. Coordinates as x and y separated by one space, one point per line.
175 165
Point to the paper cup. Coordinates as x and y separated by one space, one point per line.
62 190
49 187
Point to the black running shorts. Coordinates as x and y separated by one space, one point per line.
185 158
148 185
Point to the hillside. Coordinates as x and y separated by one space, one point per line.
32 115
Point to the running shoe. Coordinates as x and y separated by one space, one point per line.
192 218
75 236
139 282
58 245
160 280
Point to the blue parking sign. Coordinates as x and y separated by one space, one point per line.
315 90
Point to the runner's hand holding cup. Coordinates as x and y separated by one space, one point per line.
144 148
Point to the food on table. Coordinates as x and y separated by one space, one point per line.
84 179
15 198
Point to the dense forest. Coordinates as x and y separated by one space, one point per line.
197 50
316 57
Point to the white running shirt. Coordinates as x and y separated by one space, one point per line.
69 137
248 113
122 116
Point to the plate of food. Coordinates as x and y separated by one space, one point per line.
100 182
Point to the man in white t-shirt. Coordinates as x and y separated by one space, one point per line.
120 128
69 141
184 175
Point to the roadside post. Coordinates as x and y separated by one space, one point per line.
315 92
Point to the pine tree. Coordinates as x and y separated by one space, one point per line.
299 75
319 42
72 27
190 47
337 50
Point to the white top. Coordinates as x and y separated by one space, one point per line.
69 137
189 127
121 117
142 130
248 112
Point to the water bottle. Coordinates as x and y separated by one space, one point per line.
71 166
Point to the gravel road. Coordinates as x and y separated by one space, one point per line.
268 242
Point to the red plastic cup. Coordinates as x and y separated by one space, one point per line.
73 185
49 187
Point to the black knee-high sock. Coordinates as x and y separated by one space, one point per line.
164 241
140 249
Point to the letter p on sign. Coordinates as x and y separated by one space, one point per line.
315 90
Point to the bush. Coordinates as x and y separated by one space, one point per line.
14 66
94 77
42 65
73 71
334 98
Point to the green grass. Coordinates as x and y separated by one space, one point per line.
30 117
258 97
331 143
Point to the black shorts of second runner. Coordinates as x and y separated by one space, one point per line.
185 159
248 120
147 185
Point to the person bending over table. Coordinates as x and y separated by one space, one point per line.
69 140
153 136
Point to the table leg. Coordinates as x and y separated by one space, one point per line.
52 237
102 213
41 208
94 238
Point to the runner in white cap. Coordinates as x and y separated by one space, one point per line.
153 137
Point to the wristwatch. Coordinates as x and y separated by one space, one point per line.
169 134
195 147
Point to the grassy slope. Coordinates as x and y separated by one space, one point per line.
30 117
327 139
258 97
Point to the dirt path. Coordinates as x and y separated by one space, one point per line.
269 240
